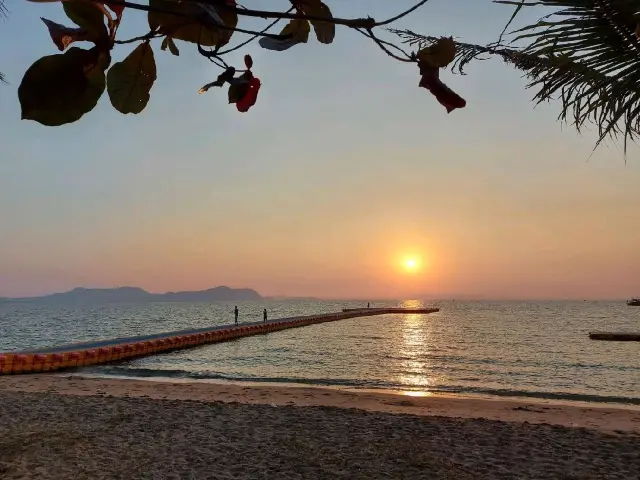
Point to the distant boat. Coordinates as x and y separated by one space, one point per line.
634 302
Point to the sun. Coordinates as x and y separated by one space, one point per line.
411 264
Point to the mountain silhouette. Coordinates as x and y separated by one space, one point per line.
138 295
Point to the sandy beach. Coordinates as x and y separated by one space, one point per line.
61 426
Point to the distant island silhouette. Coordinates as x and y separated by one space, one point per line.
139 295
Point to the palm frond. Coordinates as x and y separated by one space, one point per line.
3 12
585 54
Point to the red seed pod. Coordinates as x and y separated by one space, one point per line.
248 61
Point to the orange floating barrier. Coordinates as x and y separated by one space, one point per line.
4 364
38 363
89 354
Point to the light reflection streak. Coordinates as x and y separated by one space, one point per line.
417 352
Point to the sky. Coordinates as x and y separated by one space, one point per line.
342 170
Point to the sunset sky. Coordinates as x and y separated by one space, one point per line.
342 171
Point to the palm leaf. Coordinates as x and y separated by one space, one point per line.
585 54
3 12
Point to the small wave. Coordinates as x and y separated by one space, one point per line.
278 349
365 337
151 373
563 396
365 384
397 357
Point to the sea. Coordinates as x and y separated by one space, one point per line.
534 350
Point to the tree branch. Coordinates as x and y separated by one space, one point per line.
198 18
146 36
402 15
364 23
382 44
261 33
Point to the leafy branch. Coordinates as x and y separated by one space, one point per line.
585 55
61 88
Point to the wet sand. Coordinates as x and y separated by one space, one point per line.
61 426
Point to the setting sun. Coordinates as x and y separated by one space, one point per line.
410 264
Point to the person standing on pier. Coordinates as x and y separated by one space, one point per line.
368 305
264 315
235 312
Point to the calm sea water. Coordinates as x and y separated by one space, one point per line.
480 348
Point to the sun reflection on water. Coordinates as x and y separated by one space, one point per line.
417 352
417 393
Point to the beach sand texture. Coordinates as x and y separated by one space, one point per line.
104 428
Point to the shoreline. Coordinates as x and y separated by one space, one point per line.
618 419
387 391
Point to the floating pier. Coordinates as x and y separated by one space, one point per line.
119 349
364 310
615 336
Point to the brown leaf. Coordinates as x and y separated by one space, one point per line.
89 16
168 42
117 9
440 54
180 27
64 36
325 31
294 32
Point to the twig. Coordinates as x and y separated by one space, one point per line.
264 30
146 36
401 15
381 43
364 23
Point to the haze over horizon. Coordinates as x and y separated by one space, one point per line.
411 296
342 171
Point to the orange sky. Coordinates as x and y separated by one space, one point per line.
336 174
570 234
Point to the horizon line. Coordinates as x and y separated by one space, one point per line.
423 296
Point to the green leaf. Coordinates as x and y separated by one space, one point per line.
129 82
168 42
60 89
180 27
88 16
325 31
